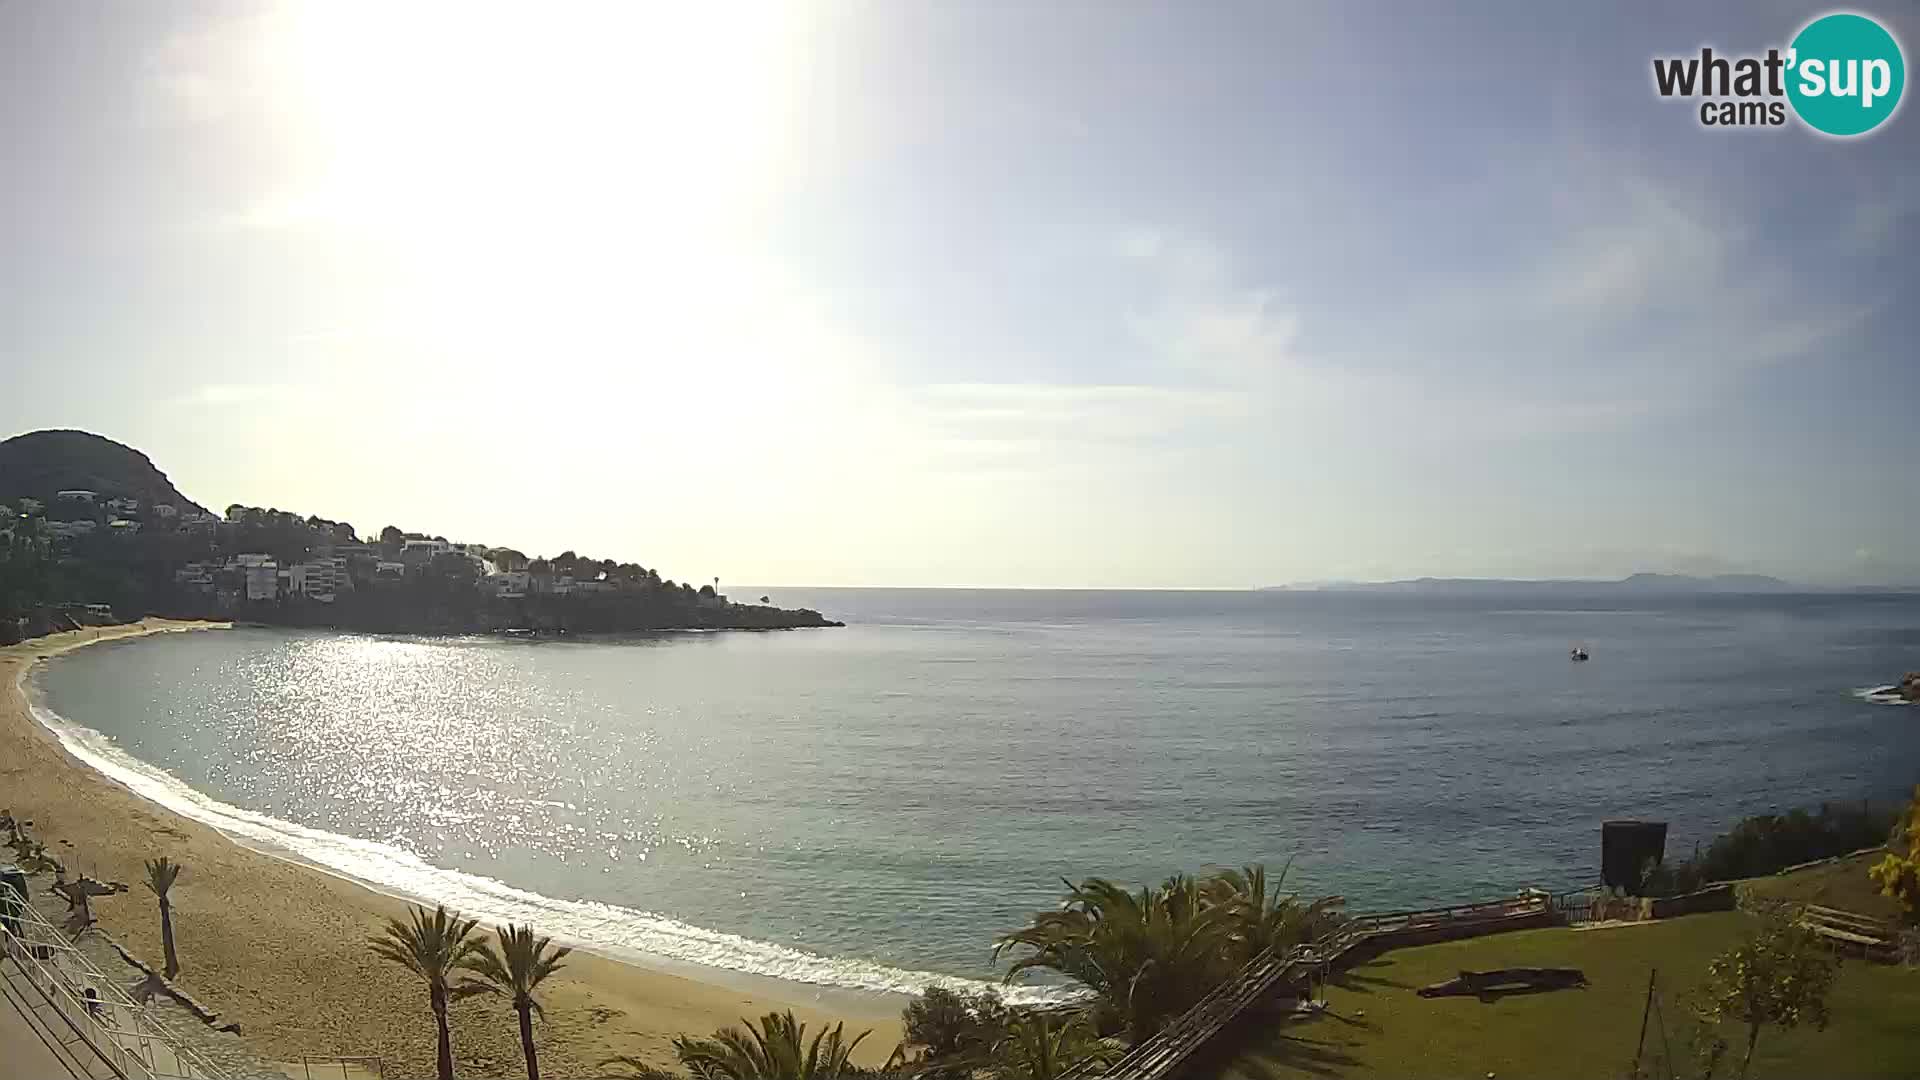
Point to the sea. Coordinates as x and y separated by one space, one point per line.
869 807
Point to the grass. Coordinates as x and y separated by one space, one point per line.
1843 885
1378 1026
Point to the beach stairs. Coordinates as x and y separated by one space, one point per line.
1852 934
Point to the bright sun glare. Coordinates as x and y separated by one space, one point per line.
563 177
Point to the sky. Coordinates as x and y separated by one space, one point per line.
986 293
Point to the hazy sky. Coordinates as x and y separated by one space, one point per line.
973 292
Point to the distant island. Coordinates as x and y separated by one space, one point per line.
91 531
1644 582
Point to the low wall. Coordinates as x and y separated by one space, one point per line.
1429 933
1712 898
1721 897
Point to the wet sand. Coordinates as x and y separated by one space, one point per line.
280 948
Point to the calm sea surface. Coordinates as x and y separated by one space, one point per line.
850 807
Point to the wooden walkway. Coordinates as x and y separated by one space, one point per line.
1162 1056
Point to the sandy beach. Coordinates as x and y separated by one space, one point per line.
280 948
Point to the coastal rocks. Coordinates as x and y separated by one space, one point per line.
1904 692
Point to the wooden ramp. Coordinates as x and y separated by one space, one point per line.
1162 1056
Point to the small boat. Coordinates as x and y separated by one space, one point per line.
1577 654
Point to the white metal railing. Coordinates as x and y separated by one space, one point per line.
99 1011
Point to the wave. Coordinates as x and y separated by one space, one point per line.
621 932
1881 695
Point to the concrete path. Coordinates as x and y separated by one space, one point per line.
35 1043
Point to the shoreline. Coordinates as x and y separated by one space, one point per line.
277 943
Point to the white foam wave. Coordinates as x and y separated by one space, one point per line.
621 932
1881 695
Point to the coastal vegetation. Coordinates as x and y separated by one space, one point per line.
1898 874
1146 956
1778 977
435 947
161 874
1767 843
775 1048
515 971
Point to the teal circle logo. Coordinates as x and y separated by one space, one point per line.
1845 74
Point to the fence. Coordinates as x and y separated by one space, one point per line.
1578 906
93 1005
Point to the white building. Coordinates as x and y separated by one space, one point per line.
77 494
423 551
164 510
507 585
123 526
317 579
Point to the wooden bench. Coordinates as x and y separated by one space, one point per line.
1845 931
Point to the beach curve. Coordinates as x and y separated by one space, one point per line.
277 945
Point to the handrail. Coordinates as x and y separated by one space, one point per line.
131 1043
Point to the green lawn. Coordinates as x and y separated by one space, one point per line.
1843 885
1380 1028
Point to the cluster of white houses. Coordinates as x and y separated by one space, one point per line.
328 570
122 515
256 577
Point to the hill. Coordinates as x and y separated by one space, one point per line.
40 463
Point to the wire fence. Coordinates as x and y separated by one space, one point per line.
131 1043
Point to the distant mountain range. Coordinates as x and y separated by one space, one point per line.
1644 583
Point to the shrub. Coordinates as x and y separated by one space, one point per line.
1766 843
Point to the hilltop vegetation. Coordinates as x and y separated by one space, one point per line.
40 464
91 531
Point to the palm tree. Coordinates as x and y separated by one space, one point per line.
161 874
1278 921
1147 956
514 972
432 947
1046 1046
773 1050
633 1068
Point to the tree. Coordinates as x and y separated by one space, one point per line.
161 874
775 1049
1778 977
432 947
514 972
1278 921
1049 1045
1898 874
391 541
1147 956
955 1032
